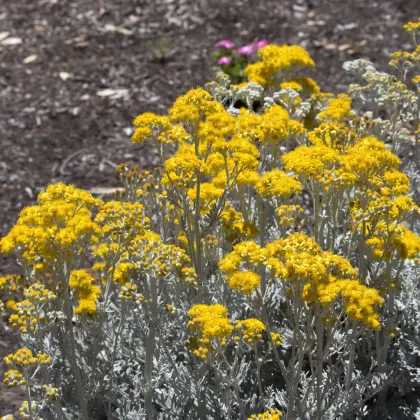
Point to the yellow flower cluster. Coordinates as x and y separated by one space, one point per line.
11 284
25 317
57 226
25 357
13 378
128 291
194 106
244 252
37 293
412 27
289 214
124 272
276 338
333 134
211 323
407 243
267 415
182 168
278 184
277 60
276 126
273 127
51 392
122 220
338 109
209 194
298 258
251 329
150 253
311 162
368 158
244 281
147 125
86 291
360 301
27 413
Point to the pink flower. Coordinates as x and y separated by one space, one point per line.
224 61
260 44
246 50
226 43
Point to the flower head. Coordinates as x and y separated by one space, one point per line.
226 43
246 50
224 61
261 43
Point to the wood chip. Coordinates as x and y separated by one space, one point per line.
112 93
320 43
315 22
64 75
11 41
344 47
330 47
30 59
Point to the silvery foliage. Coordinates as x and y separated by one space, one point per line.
228 94
290 100
391 105
252 94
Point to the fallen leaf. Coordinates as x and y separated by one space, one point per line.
315 22
4 35
11 41
362 43
64 75
39 28
30 59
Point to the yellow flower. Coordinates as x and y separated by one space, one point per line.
244 281
407 243
194 106
277 59
267 415
146 124
251 329
278 184
87 291
337 109
212 325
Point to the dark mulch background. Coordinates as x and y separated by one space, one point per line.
55 127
